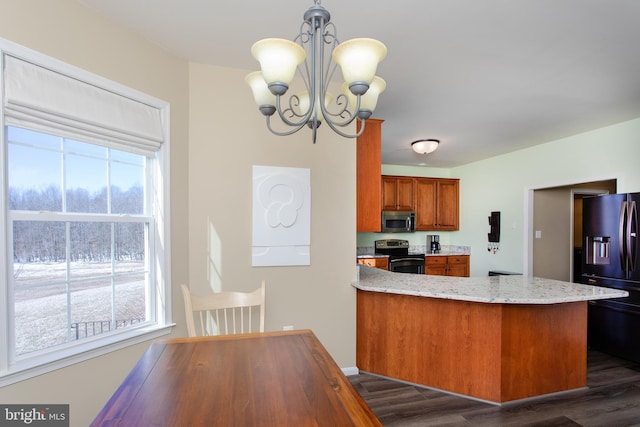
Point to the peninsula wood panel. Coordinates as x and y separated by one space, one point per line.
494 352
544 348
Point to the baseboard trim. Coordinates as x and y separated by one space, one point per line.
351 370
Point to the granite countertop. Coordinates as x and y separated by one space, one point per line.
441 253
447 250
489 289
372 256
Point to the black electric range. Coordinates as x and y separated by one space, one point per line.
400 260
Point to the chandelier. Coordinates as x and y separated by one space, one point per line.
315 54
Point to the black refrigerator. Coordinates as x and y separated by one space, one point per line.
610 259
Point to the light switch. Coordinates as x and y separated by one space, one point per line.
538 234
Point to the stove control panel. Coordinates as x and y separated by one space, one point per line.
392 244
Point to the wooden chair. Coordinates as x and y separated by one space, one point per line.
224 312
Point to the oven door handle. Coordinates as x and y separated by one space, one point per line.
406 259
407 265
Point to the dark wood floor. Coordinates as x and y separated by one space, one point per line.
612 400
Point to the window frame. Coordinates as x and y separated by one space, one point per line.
158 179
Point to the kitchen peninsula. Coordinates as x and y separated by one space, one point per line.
496 339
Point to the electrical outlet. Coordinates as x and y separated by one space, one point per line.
287 328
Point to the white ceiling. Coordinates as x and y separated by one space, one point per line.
485 77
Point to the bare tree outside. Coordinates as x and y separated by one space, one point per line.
76 279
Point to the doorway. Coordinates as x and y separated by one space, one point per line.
557 228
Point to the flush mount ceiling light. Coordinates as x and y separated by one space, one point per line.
315 53
425 146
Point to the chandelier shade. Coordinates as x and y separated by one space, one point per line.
279 59
358 59
315 54
425 146
261 93
369 100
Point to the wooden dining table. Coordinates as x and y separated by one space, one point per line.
265 379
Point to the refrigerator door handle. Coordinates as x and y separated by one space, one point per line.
632 227
622 231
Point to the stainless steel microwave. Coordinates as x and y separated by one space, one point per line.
398 221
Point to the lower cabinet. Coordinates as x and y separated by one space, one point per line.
447 265
377 262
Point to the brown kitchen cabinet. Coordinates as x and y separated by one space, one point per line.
368 173
447 265
377 262
397 193
437 204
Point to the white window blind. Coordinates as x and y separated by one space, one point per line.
42 100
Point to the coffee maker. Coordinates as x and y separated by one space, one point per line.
433 243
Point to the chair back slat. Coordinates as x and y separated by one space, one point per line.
225 312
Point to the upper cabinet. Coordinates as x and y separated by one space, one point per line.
437 204
434 200
368 173
397 193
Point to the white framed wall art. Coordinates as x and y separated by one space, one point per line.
281 216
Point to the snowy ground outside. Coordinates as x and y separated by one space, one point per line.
41 310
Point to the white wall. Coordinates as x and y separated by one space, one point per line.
505 183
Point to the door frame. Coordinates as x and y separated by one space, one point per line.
574 193
528 217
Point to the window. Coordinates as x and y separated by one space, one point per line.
85 195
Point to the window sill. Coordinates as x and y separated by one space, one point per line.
29 369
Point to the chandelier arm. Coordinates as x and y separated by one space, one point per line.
344 134
344 105
275 132
315 83
304 35
325 72
314 129
351 115
304 118
336 128
330 37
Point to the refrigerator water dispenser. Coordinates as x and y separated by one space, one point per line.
597 250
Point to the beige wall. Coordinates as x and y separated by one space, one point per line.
67 31
557 214
227 137
211 190
552 218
